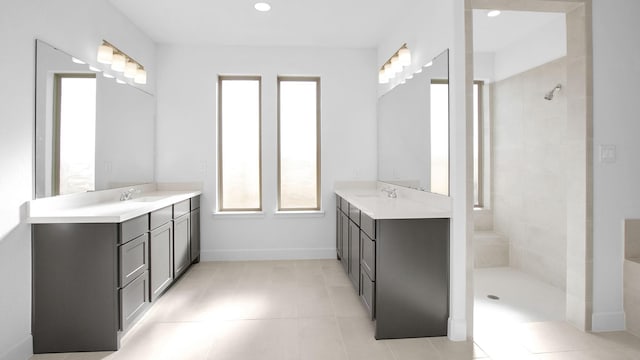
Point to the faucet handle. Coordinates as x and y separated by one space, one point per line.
391 192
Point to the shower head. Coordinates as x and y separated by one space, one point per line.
550 94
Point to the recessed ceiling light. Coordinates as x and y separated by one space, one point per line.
493 13
262 6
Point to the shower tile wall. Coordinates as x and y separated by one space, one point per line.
529 170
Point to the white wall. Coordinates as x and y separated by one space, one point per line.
530 162
186 140
616 70
77 27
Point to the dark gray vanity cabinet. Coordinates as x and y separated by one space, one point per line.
93 281
90 283
401 267
195 229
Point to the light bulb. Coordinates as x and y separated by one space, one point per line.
382 77
93 68
428 64
141 77
108 76
262 7
118 62
405 56
77 61
105 54
388 71
493 13
130 70
120 81
395 64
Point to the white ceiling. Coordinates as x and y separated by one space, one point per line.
330 23
493 34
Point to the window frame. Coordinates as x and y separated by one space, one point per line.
318 81
220 201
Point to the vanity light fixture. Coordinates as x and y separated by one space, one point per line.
493 13
121 62
93 68
108 76
395 65
77 61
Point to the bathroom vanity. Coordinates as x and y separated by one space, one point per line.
395 251
100 263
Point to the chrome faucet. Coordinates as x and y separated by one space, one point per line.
391 192
128 195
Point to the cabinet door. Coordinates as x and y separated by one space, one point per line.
161 248
344 229
338 234
181 251
354 255
195 235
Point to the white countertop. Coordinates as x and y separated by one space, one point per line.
409 203
71 210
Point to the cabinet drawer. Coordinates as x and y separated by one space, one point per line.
367 293
354 214
344 206
133 228
134 300
368 258
195 203
368 225
133 259
161 217
181 208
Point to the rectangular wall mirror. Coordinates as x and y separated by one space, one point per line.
413 130
92 133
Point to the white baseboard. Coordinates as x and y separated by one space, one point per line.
267 254
20 351
612 321
457 329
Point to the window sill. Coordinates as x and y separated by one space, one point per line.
239 214
299 214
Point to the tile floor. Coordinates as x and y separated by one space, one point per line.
308 310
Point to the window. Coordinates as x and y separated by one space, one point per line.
298 143
239 154
74 160
477 143
440 136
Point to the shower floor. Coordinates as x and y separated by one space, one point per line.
522 299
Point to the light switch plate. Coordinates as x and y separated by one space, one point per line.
607 154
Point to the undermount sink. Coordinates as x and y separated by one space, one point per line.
147 198
369 196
